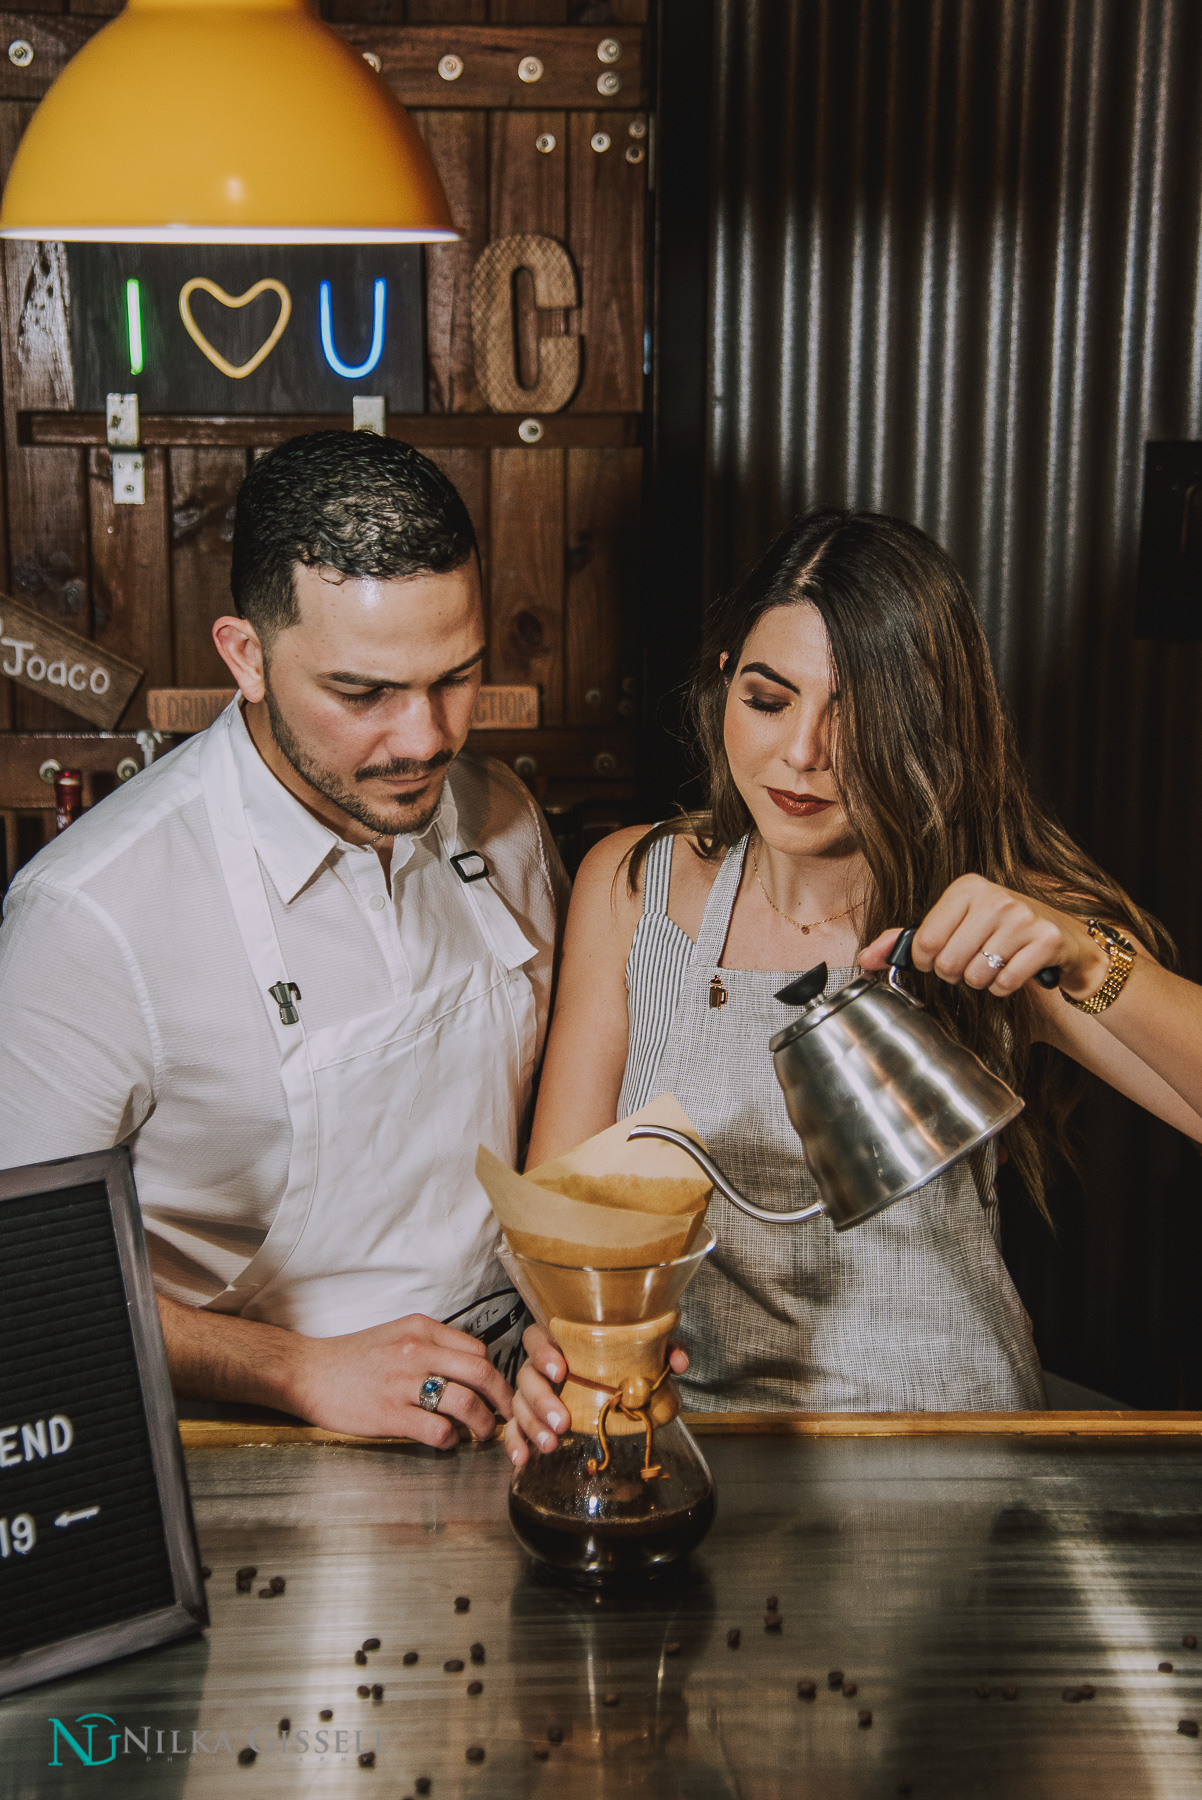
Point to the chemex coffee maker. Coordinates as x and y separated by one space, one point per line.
880 1096
627 1492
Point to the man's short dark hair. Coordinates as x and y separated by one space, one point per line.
344 500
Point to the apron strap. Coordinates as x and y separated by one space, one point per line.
715 922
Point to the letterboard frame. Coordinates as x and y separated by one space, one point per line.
187 1611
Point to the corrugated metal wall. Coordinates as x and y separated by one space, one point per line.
956 274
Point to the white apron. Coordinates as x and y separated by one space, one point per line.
382 1214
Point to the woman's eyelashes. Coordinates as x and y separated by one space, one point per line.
765 703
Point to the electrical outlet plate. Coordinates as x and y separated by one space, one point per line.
129 478
369 413
121 423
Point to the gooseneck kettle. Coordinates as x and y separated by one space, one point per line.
881 1097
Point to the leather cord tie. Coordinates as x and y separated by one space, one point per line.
632 1400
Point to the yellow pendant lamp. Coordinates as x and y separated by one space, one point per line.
222 122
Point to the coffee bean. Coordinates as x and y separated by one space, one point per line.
377 1692
462 1603
733 1636
541 1752
1188 1727
1164 1668
453 1665
1009 1692
242 1586
266 1593
422 1785
772 1621
772 1603
371 1643
1085 1692
611 1699
555 1734
205 1571
849 1688
1072 1695
475 1687
475 1753
277 1584
246 1574
834 1678
806 1690
247 1756
983 1690
1189 1641
674 1648
864 1719
409 1658
363 1692
477 1653
284 1725
360 1659
367 1759
325 1714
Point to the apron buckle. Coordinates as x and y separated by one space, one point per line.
283 994
469 865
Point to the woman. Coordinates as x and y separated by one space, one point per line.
861 776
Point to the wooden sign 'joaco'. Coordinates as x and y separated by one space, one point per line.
210 328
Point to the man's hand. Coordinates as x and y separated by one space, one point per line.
366 1382
538 1413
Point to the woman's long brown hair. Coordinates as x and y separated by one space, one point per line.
927 772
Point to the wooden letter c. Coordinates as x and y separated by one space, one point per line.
492 324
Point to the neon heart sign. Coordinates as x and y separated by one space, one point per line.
268 285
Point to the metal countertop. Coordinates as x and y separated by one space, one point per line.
921 1567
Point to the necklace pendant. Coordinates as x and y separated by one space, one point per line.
805 931
718 994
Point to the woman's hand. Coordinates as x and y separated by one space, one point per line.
974 917
539 1414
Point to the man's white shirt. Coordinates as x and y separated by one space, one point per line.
128 1013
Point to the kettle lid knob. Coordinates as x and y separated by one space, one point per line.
807 987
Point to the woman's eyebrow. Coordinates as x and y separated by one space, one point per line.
771 674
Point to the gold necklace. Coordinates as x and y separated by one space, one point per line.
805 930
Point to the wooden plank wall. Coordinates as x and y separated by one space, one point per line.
559 526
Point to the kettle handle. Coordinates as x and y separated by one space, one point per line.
707 1165
900 958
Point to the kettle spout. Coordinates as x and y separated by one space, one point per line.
708 1166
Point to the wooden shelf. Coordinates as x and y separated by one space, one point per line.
434 431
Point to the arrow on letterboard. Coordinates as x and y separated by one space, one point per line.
69 1518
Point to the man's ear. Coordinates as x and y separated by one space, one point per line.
241 650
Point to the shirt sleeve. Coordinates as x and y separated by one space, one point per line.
77 1058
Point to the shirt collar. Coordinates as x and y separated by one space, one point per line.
291 843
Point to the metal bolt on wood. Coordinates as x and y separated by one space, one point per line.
530 69
20 53
609 50
544 143
450 67
600 141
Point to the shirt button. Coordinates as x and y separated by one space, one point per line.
377 903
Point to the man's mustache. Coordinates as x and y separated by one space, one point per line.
405 767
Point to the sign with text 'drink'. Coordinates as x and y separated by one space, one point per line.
97 1550
43 656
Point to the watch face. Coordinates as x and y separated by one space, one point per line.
1110 935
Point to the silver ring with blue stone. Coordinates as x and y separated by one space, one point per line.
431 1392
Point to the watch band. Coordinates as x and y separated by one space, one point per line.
1122 960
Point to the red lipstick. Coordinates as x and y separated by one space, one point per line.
798 806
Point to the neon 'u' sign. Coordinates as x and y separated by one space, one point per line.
379 302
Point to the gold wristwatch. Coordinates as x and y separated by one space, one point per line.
1122 960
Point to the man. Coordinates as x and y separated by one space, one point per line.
302 966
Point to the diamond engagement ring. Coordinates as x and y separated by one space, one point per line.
431 1392
995 962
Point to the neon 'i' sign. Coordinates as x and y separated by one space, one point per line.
379 301
133 320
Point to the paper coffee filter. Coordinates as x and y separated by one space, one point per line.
609 1204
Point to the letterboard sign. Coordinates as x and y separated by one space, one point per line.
98 1552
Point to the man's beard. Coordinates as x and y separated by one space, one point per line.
409 816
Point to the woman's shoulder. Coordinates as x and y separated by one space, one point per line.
604 874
